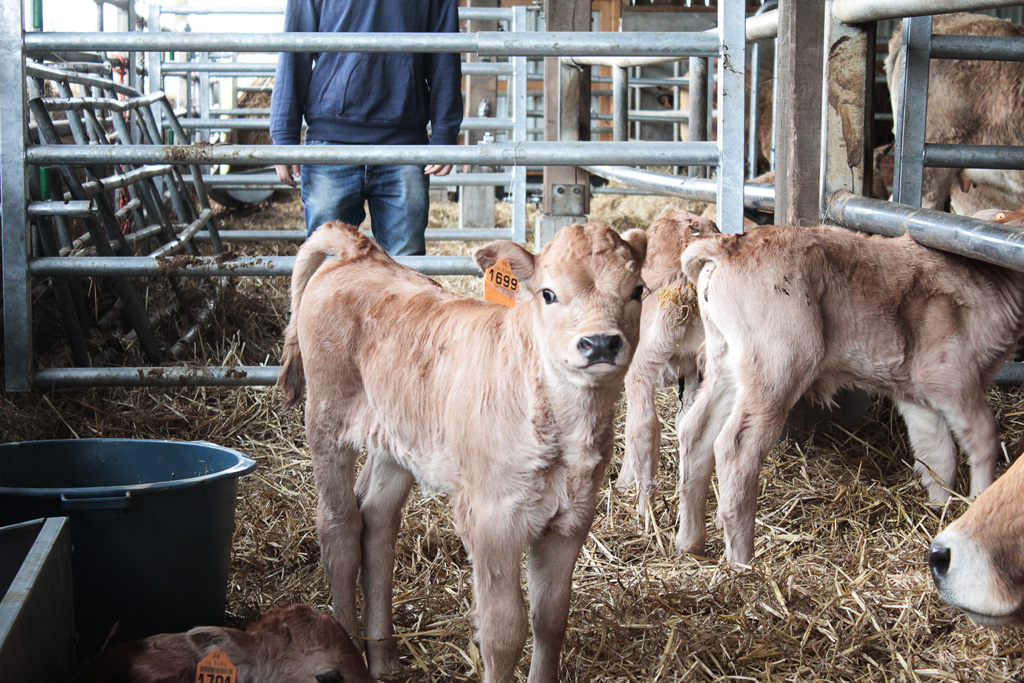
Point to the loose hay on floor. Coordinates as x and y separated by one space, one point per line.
839 589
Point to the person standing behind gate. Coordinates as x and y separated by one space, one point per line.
368 98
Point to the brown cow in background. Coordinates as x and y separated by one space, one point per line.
969 102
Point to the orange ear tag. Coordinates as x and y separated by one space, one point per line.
500 285
216 668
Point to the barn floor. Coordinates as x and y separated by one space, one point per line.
839 589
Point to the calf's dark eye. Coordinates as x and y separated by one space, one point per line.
331 677
549 296
638 293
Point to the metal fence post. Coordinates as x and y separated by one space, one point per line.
731 77
912 110
518 94
14 180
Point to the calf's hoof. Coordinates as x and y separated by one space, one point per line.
692 545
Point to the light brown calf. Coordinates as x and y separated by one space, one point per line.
671 336
508 410
977 562
804 311
969 102
294 644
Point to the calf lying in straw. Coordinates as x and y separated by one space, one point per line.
509 410
794 311
671 335
294 644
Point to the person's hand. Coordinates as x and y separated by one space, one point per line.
287 174
437 169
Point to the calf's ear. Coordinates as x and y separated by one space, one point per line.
521 261
637 241
239 646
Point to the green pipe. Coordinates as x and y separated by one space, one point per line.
44 182
37 15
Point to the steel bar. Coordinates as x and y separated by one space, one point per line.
224 376
484 43
908 180
620 104
14 196
206 266
698 128
242 181
268 68
95 187
471 123
72 209
989 48
758 196
99 103
974 156
861 11
994 243
432 235
731 92
184 236
465 13
42 71
493 154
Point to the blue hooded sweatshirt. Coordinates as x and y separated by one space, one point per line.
380 98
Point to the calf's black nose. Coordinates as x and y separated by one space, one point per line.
938 560
600 348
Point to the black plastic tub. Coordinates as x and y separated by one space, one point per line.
151 527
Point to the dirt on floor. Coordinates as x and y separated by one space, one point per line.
839 589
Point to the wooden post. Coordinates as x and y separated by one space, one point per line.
566 119
798 112
476 203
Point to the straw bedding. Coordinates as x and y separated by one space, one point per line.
839 589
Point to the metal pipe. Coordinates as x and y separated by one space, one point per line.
484 43
185 235
1001 245
973 156
465 13
431 234
208 266
95 187
268 68
620 104
224 376
242 181
862 11
79 208
991 48
757 196
492 154
99 103
472 123
1011 374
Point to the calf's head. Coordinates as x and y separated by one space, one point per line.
977 562
293 644
584 293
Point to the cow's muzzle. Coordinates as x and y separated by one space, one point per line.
600 348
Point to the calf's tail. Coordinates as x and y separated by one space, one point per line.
330 239
700 253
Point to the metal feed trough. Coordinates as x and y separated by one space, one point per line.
109 152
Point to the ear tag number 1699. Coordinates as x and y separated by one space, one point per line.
500 285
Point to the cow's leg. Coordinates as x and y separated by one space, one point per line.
751 430
382 489
936 187
338 522
933 447
501 623
551 562
975 426
643 428
697 429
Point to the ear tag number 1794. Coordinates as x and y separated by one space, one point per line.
216 668
500 285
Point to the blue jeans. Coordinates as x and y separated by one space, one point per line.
398 196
